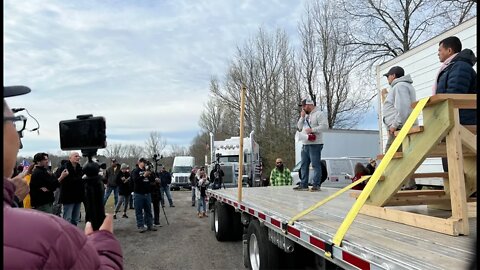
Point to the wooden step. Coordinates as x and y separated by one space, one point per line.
413 130
471 128
441 151
430 175
407 193
396 155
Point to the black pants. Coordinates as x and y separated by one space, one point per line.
156 210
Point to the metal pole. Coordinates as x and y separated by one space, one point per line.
240 169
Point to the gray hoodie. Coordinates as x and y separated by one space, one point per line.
318 123
397 106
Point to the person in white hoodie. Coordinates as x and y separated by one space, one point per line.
397 107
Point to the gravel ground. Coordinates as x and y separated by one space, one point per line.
187 243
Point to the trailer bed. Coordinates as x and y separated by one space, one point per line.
389 244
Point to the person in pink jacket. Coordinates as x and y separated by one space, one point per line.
36 240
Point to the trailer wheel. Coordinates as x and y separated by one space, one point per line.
221 221
237 226
212 220
262 254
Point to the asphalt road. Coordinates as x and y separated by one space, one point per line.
187 243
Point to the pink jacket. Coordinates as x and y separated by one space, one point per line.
35 240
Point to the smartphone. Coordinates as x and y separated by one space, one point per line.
83 134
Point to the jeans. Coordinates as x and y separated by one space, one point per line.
202 205
193 196
311 153
165 190
71 212
123 199
108 191
143 210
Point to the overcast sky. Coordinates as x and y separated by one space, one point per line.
143 65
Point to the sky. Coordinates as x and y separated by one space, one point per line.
143 65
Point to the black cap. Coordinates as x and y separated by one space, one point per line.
144 160
398 71
17 90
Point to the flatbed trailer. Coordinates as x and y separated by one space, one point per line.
370 243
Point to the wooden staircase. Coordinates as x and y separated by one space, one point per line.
441 136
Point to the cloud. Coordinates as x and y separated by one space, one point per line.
143 65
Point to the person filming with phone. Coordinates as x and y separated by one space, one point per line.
311 124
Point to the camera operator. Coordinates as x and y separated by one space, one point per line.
155 192
165 181
72 188
142 180
43 183
216 175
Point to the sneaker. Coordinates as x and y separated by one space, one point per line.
124 216
152 229
142 229
172 205
114 216
200 215
315 188
205 214
193 204
132 208
300 188
157 225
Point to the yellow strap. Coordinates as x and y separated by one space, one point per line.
352 214
324 201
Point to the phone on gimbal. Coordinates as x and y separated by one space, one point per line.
86 133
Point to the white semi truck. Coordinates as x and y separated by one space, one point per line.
181 169
226 153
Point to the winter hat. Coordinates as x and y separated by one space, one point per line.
124 166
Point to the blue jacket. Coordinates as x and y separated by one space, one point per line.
460 78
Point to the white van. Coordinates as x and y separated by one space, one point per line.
182 167
340 171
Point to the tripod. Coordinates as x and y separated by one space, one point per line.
94 209
161 195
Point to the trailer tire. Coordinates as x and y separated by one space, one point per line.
212 220
237 226
262 254
222 221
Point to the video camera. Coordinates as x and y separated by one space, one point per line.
88 134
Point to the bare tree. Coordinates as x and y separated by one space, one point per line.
134 151
155 144
178 150
115 150
326 63
211 117
381 30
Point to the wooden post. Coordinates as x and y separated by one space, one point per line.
240 160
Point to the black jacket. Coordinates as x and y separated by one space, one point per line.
165 178
72 188
111 175
41 178
125 187
141 184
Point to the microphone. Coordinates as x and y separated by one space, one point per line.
15 110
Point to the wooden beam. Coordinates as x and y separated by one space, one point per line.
405 193
460 101
430 175
404 201
395 156
471 128
441 225
413 130
456 176
468 139
440 150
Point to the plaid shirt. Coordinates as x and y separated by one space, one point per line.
278 178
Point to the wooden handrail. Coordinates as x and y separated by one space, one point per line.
460 101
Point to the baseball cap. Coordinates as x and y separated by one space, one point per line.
398 71
114 160
144 160
306 101
17 90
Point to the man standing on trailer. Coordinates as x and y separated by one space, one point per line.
311 123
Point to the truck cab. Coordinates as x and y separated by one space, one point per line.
181 169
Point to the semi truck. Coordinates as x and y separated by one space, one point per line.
342 149
332 229
181 169
226 153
